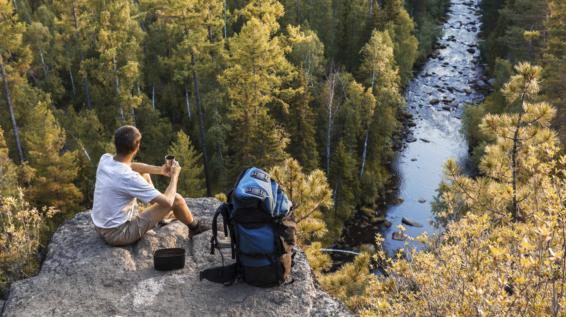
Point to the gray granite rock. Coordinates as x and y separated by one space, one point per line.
82 276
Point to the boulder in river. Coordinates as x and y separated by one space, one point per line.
411 222
434 101
387 224
422 200
411 139
398 235
82 276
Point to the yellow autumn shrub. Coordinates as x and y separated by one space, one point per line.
21 227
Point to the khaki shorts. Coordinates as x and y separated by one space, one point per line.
128 232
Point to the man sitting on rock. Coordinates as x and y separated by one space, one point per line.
119 182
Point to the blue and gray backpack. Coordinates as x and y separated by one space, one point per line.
258 219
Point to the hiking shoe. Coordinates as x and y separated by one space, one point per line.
197 227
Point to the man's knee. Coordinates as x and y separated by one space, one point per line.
179 200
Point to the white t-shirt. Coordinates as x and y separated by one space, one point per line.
115 191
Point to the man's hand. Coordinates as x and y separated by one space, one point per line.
175 169
165 170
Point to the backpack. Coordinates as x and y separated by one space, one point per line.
258 218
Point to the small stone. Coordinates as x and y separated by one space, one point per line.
434 101
410 222
471 50
387 224
425 140
413 159
422 200
411 139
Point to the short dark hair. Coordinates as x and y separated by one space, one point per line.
126 139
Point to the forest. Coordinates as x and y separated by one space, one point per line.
312 91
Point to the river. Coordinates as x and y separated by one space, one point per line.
449 80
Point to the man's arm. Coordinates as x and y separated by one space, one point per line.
143 168
167 199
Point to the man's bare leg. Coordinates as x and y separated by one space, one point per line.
180 210
147 178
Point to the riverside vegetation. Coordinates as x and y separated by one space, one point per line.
310 90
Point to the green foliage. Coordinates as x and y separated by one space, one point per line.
54 171
8 170
428 16
311 197
506 39
554 63
396 21
255 77
301 120
191 180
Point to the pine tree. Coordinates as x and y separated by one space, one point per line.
115 71
191 182
54 170
381 73
14 62
307 52
351 31
85 135
75 28
301 124
345 188
255 78
311 196
157 134
198 26
395 20
8 172
554 63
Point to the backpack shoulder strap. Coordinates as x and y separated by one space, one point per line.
223 211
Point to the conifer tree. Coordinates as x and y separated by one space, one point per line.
191 182
116 69
307 52
87 136
54 170
14 62
345 188
255 78
157 134
554 63
395 20
8 172
198 26
301 124
381 74
75 28
311 196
